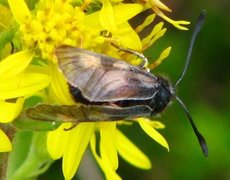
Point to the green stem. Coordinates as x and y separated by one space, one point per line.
3 165
9 131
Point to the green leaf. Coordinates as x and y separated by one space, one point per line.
6 37
4 2
29 157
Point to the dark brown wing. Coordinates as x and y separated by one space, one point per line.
102 78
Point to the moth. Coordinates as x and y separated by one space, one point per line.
111 90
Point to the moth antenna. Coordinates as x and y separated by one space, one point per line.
200 138
198 26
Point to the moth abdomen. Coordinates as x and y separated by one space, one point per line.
79 98
158 102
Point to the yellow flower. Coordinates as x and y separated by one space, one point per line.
57 22
17 81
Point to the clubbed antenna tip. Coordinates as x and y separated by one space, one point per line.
198 26
199 136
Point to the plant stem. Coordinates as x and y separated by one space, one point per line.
3 165
9 131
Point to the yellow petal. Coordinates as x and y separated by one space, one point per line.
124 12
77 143
110 173
5 145
177 24
107 16
120 13
108 148
163 55
147 21
15 63
146 126
147 41
159 4
158 35
155 124
131 153
128 37
9 111
19 10
23 84
56 141
59 91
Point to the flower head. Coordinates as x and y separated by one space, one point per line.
92 25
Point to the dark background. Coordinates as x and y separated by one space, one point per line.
205 90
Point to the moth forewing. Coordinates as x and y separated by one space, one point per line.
101 78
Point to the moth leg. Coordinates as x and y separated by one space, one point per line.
12 48
140 55
106 34
71 127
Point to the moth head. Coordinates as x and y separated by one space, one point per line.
165 93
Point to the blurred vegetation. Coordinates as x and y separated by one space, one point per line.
205 91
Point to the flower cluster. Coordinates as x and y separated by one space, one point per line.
33 70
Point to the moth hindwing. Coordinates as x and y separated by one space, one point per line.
83 113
